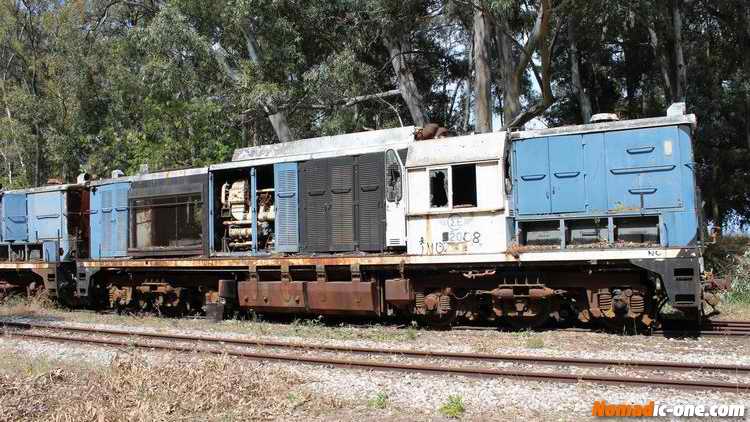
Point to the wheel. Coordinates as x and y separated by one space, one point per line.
526 321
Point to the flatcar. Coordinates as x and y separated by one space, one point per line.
591 223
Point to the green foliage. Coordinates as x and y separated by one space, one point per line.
535 342
739 276
720 256
379 401
454 407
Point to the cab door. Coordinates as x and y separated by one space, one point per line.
395 201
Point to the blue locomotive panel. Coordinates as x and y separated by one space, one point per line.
109 220
632 172
287 207
15 223
48 224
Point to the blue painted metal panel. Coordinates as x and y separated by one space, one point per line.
643 169
287 207
109 220
627 172
46 216
532 176
48 223
685 230
595 169
50 251
566 174
15 221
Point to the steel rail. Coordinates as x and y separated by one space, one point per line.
706 328
428 369
521 359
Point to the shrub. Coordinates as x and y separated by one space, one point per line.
739 277
380 401
454 407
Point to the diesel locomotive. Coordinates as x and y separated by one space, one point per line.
590 223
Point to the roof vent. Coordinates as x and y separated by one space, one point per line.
676 109
604 117
116 174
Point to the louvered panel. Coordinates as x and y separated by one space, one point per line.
315 199
342 204
371 210
287 221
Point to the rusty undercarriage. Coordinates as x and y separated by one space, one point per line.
522 297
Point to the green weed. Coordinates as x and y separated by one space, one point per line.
454 407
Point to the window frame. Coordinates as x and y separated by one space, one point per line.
179 202
402 171
476 186
449 190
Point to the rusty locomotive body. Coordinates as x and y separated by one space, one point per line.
579 223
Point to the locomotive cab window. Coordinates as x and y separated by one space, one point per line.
439 188
464 184
394 190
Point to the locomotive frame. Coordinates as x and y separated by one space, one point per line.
436 229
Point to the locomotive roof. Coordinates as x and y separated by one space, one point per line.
457 149
688 119
47 188
322 147
152 176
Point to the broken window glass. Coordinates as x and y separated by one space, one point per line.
393 177
438 188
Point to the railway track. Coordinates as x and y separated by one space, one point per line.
216 345
707 328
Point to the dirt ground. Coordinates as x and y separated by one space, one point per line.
69 382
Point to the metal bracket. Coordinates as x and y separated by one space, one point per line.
320 273
285 276
253 273
356 274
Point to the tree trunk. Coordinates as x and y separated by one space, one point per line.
483 98
511 97
680 82
466 117
661 60
406 82
277 118
584 101
513 71
746 83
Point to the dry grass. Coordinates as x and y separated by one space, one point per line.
26 306
42 307
734 310
133 388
